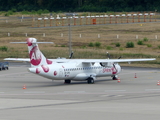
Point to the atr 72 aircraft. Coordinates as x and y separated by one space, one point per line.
71 69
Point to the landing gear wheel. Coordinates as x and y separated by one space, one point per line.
90 81
67 81
115 78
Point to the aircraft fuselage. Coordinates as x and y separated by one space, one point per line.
74 71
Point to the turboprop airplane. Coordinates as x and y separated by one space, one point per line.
71 69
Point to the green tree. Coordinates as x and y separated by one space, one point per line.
81 5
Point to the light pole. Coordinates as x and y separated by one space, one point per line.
70 39
70 15
155 15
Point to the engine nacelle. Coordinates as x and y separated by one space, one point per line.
81 76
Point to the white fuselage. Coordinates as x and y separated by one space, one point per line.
75 71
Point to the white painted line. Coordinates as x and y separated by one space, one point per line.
74 92
120 95
152 89
115 90
35 92
105 95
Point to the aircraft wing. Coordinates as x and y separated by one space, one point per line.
115 60
86 60
28 60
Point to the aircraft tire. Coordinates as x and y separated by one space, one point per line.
67 81
114 78
90 81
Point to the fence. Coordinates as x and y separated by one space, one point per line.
93 20
85 36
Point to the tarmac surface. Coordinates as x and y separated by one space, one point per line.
131 98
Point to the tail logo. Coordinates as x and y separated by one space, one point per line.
35 56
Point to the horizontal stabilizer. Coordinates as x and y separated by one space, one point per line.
32 42
18 59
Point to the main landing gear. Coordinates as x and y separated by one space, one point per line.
67 81
90 81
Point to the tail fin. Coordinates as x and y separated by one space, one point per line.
36 56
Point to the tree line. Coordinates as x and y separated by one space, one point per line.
80 5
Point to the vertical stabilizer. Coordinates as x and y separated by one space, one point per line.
36 56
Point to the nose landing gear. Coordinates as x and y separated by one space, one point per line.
115 77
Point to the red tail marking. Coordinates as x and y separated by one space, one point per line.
38 70
48 61
55 73
45 68
35 56
29 41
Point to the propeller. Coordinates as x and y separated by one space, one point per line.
120 57
108 55
102 64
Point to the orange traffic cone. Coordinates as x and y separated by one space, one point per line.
158 83
135 76
24 86
118 80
